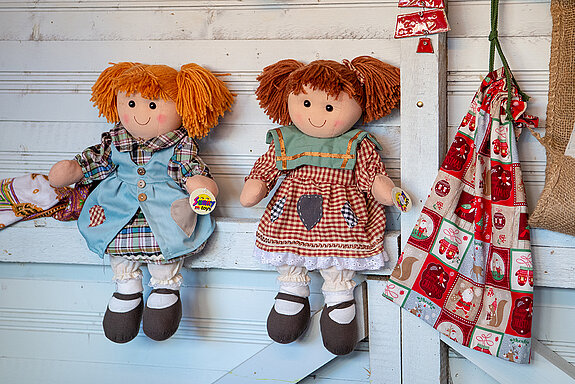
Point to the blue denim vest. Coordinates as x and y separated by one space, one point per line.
150 188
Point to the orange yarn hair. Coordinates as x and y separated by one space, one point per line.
200 96
375 85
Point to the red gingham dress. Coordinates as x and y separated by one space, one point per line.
352 241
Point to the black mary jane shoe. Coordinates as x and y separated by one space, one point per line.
161 324
121 327
285 329
339 339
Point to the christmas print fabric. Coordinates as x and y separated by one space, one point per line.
466 269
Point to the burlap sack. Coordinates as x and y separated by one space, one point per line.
555 209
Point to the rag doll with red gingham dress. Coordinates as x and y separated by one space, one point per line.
328 213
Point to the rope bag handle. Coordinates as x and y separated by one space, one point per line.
510 79
494 40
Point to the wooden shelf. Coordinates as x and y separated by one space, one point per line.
231 247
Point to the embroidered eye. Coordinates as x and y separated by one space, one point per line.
152 105
329 107
307 103
131 103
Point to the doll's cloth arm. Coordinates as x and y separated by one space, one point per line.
95 161
368 165
371 175
265 169
186 163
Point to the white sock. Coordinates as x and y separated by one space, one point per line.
130 286
161 300
284 307
126 287
123 306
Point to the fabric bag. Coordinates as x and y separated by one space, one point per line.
466 269
556 207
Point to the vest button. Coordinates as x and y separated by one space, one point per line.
141 171
141 183
142 197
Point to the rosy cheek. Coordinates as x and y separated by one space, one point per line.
298 117
339 125
126 117
161 118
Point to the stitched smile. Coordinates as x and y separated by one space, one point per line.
317 126
146 121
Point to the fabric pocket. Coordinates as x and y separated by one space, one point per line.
184 215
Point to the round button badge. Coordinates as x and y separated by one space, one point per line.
202 201
401 199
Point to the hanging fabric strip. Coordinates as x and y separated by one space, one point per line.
466 269
31 196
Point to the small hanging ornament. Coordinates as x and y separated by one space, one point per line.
421 23
424 45
421 3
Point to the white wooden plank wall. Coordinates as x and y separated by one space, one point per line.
52 52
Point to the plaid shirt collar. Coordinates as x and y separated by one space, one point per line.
125 142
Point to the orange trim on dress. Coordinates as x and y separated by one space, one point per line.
284 158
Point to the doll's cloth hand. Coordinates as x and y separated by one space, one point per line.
387 193
199 182
64 173
381 189
253 192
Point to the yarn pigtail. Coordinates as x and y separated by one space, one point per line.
202 99
104 92
272 92
381 84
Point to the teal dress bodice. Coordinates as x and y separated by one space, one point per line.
114 202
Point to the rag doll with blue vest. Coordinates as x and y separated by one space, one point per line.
146 166
328 213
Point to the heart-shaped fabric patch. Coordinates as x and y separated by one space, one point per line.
97 216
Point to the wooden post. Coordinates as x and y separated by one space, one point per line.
423 132
384 335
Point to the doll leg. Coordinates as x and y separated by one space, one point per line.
338 322
290 315
163 310
122 318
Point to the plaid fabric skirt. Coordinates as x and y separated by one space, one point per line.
136 242
318 218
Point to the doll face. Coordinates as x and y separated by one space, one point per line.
316 114
145 118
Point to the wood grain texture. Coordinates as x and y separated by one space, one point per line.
230 247
213 20
384 335
542 368
423 133
292 367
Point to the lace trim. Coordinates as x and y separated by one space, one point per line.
285 283
123 278
312 263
